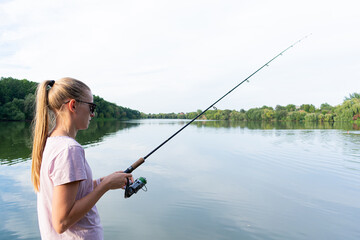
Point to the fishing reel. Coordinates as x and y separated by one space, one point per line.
134 187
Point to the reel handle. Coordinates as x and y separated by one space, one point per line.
134 165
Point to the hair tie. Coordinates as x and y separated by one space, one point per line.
51 83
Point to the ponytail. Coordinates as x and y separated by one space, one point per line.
40 130
50 97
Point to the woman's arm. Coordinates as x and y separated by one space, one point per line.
95 183
66 210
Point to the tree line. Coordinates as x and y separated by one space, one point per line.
349 110
17 102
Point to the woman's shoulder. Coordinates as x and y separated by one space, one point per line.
63 142
59 146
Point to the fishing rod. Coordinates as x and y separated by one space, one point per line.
140 183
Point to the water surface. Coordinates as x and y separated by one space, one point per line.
215 180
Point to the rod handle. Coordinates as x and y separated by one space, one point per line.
134 165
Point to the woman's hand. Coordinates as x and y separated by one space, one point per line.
116 180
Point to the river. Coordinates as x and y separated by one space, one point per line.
215 180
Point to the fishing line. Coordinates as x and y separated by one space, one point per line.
142 160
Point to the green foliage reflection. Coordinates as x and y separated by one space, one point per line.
15 138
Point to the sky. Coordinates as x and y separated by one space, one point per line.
180 56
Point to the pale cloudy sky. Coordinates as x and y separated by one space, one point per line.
180 56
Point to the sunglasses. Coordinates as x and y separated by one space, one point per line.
92 106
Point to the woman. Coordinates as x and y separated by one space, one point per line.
60 173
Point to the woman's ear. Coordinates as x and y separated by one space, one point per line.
72 105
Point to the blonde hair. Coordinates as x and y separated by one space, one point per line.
50 97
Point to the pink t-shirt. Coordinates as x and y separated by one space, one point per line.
64 162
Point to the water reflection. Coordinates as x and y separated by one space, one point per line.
15 138
98 130
216 180
252 125
17 203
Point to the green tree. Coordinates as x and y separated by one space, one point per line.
254 114
12 88
326 108
191 115
237 116
296 116
225 114
280 108
329 117
290 107
352 95
309 108
280 113
268 114
29 106
13 110
109 110
347 110
311 117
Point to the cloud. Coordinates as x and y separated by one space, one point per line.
163 56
